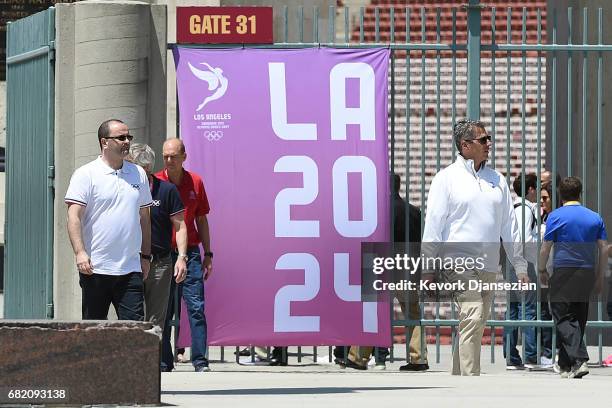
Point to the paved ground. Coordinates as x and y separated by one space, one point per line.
323 384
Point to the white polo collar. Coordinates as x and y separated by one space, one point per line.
469 164
106 169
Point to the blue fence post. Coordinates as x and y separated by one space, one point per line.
473 60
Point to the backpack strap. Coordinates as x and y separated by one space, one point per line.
534 220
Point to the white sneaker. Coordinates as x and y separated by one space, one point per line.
580 371
380 366
546 362
202 369
515 367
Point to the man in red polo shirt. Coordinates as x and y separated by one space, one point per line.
193 195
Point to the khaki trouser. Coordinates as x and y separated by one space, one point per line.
261 352
361 354
474 309
157 290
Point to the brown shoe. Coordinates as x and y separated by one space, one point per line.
351 364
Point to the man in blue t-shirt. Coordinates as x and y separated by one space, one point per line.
166 213
579 262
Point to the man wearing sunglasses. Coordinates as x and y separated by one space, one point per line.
109 227
470 206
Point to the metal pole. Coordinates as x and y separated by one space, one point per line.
473 60
50 312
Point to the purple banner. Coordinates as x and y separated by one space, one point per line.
292 147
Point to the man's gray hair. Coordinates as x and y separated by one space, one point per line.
142 155
464 130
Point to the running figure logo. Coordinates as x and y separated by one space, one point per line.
216 81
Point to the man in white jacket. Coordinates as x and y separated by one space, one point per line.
470 206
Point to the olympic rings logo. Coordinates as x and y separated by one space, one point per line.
213 135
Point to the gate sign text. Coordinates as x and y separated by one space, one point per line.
224 25
292 147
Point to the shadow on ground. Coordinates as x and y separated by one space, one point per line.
293 391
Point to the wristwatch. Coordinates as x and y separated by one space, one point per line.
210 254
184 256
147 257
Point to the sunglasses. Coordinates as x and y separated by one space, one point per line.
121 138
482 140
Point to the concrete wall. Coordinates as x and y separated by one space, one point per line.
110 63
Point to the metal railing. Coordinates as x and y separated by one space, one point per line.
471 71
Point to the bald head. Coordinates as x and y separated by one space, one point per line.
174 155
546 177
175 143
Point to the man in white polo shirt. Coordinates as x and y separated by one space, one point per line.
110 228
469 208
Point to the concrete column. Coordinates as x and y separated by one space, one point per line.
110 63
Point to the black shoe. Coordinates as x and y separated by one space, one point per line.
245 352
415 367
279 356
276 359
351 364
278 362
340 361
165 369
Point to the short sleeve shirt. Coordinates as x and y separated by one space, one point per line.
166 203
193 196
111 221
575 231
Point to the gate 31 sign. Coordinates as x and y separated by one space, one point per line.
292 146
224 25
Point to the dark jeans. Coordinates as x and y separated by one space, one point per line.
341 352
381 354
280 354
192 292
125 292
515 312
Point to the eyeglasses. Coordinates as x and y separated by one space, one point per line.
121 138
482 140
